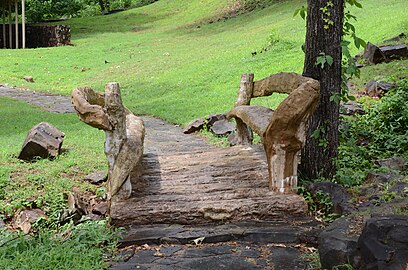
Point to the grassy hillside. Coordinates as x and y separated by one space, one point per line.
172 63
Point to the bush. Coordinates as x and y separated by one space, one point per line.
380 133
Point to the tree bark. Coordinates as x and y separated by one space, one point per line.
323 37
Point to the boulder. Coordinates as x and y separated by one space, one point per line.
338 243
97 178
194 126
373 54
222 128
212 118
396 38
381 178
352 108
395 51
394 163
44 141
100 209
339 196
384 243
377 89
24 219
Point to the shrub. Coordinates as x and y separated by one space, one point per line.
380 133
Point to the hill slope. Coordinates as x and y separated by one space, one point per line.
171 63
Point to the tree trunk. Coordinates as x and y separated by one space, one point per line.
323 35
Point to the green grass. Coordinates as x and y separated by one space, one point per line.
168 67
46 181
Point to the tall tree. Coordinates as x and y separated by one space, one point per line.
323 60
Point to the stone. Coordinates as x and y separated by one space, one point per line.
212 118
396 38
352 108
337 246
97 178
24 219
384 243
339 196
194 126
377 89
394 163
373 54
377 178
222 128
395 51
43 140
29 79
100 209
2 224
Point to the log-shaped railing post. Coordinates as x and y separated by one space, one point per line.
244 133
124 134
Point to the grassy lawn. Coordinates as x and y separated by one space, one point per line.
171 63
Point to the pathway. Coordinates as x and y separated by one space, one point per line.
186 181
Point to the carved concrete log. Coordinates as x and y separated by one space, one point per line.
286 135
124 134
282 130
244 134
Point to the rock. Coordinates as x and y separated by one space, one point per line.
29 79
373 54
394 163
384 243
396 38
381 178
377 89
97 178
24 219
100 209
194 126
395 51
339 196
338 244
2 224
44 141
400 188
222 128
352 108
212 118
233 138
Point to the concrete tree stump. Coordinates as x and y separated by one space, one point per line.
124 134
283 131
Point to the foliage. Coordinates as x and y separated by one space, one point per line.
319 203
72 247
380 133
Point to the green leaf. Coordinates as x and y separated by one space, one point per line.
329 60
358 4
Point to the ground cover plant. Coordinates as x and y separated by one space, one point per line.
174 59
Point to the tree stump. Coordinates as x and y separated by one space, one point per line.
124 134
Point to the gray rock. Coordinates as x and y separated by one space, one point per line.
395 51
194 126
212 118
339 196
394 163
381 178
97 177
337 246
352 108
373 54
377 89
384 243
100 209
396 38
222 128
44 141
